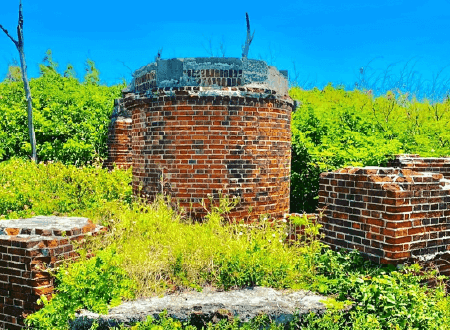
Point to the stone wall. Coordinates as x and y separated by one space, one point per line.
209 306
392 215
27 247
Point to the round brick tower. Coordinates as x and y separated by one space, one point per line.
206 127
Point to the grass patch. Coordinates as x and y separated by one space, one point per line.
163 251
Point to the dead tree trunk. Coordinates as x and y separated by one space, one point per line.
249 39
26 85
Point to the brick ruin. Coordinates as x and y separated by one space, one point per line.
421 164
120 146
197 127
27 248
393 215
200 127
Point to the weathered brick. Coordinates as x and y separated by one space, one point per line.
406 213
255 153
22 273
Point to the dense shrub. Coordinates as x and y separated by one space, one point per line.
70 118
333 128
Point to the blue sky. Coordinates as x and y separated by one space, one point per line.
329 41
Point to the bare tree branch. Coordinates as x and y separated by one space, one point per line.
26 85
209 47
123 63
20 26
249 39
222 47
9 36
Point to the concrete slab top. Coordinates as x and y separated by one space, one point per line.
246 304
216 72
36 225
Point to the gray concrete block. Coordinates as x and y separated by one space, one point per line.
215 72
205 306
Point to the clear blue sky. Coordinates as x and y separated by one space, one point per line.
327 40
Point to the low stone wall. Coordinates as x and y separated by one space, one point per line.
391 215
27 247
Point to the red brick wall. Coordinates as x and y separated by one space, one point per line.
120 150
23 278
202 145
422 164
119 144
391 215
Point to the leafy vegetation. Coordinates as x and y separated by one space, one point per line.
70 118
96 284
152 249
333 128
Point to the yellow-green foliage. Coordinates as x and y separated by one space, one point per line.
333 128
161 250
28 189
157 244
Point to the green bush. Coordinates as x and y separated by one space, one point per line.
334 128
95 284
394 300
70 118
256 267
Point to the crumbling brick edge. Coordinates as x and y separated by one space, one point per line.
392 215
27 248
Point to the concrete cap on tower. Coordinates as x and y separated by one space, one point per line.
214 72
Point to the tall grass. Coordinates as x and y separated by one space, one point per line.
162 250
